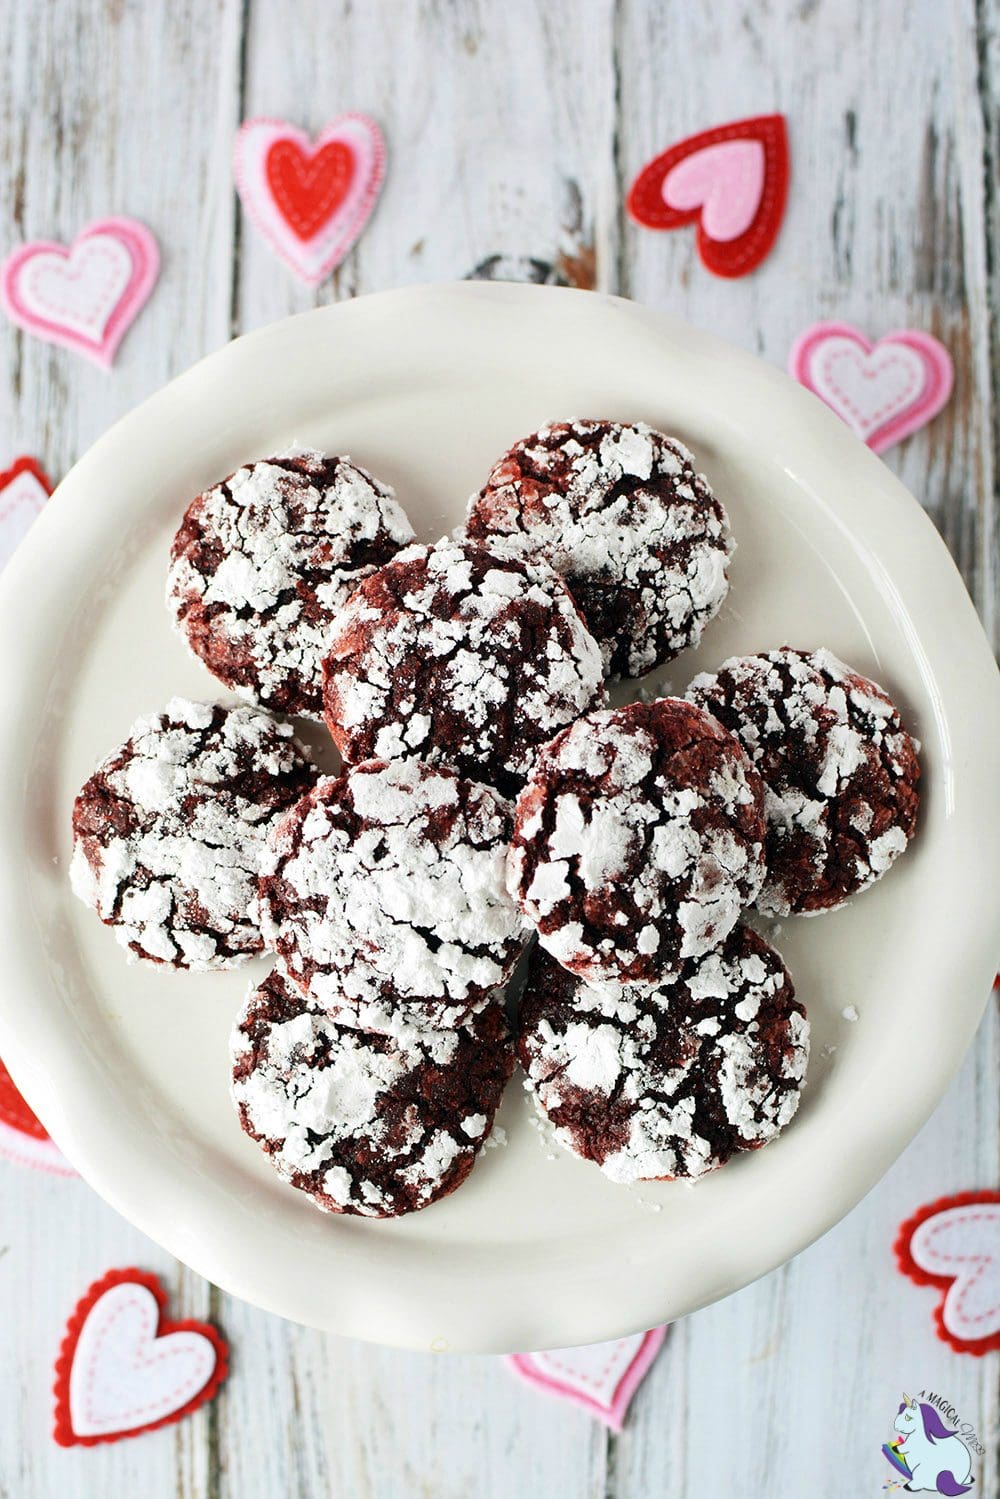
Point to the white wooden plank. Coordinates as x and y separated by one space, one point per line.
497 123
885 128
977 133
104 108
273 1436
450 1426
886 202
86 133
58 1238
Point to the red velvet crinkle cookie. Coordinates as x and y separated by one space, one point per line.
637 841
168 832
367 1124
262 562
669 1082
383 893
618 509
462 656
840 772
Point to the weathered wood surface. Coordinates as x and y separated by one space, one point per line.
514 129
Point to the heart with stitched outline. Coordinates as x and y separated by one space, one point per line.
23 1137
124 1368
86 296
310 199
602 1377
884 390
732 181
24 488
954 1243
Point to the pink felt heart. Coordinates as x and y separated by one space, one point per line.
123 1368
602 1377
87 296
310 198
954 1243
883 390
726 181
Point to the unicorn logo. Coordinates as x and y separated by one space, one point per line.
932 1459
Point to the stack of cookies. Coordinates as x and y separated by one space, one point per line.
490 797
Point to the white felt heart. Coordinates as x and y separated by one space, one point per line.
594 1369
20 501
964 1243
81 290
123 1376
602 1377
26 1150
867 389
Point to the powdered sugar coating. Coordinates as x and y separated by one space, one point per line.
619 511
383 892
169 830
462 656
671 1082
262 562
637 841
366 1124
840 772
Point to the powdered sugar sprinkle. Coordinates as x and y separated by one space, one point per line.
620 512
672 1082
169 831
263 561
384 893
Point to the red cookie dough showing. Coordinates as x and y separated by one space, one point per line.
462 656
264 560
670 1082
840 772
383 893
366 1124
637 841
169 831
618 509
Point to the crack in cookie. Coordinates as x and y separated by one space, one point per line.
262 562
619 511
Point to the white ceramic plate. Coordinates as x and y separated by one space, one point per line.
128 1067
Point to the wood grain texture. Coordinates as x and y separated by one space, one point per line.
515 129
84 132
485 156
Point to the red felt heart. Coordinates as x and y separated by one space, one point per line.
123 1368
15 1112
954 1244
23 1137
309 187
24 488
704 198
